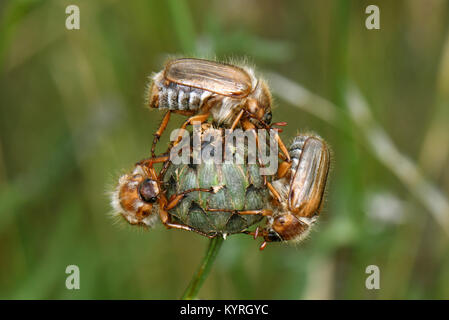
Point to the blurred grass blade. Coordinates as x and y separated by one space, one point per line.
405 169
183 23
435 149
303 98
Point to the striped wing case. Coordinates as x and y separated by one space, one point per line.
308 183
211 76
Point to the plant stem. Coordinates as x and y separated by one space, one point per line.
203 271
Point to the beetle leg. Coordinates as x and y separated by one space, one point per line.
164 124
149 161
176 198
256 234
263 212
283 148
193 117
170 225
283 169
201 118
166 221
237 120
196 118
274 192
166 218
187 228
163 170
247 125
285 156
159 132
187 113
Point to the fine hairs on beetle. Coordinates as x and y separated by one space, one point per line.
200 85
198 88
140 197
298 193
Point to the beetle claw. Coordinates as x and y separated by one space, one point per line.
256 233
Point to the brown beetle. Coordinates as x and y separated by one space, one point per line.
298 192
140 198
202 88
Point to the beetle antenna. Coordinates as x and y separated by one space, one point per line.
279 124
256 233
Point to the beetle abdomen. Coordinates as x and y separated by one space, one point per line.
310 169
175 96
295 150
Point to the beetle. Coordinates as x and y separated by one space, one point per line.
140 197
200 88
298 192
296 195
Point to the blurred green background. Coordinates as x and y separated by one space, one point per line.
72 120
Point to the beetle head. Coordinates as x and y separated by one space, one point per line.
259 105
286 227
135 198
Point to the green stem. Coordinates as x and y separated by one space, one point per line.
203 271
